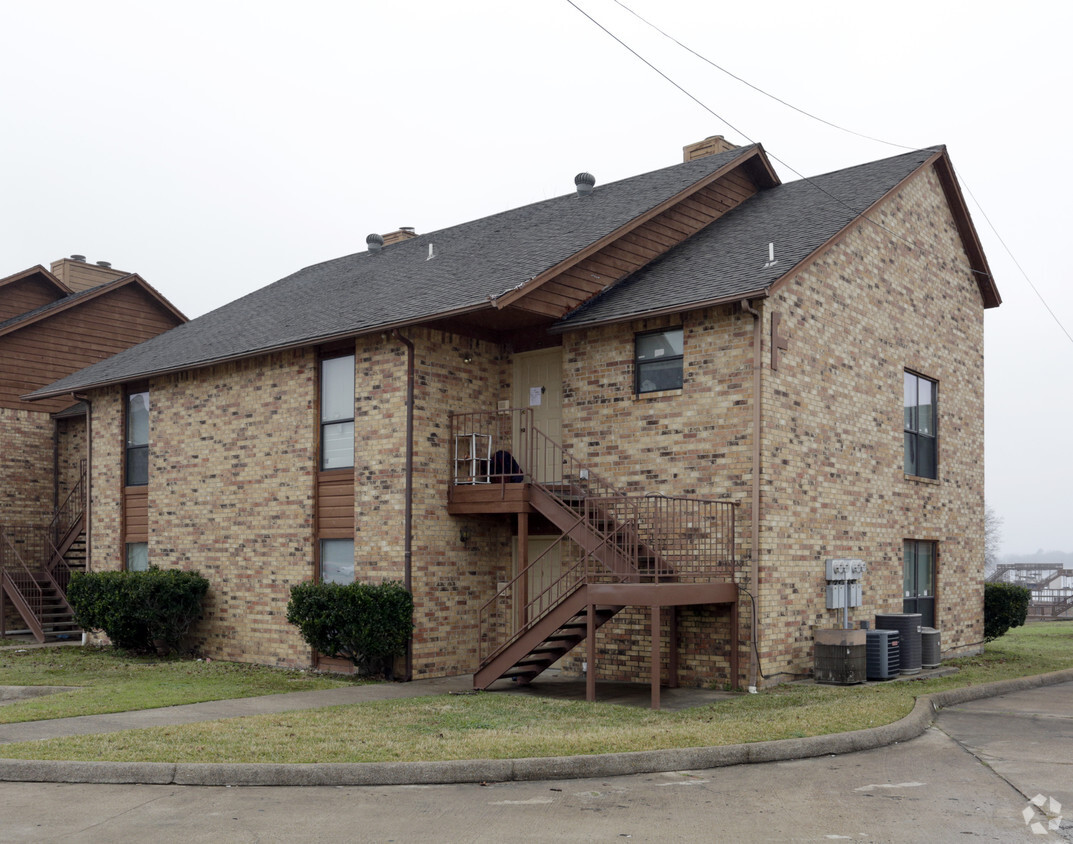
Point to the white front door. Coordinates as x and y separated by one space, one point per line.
538 386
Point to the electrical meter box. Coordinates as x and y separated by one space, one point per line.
836 595
842 569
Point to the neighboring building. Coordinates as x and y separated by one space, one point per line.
647 407
1051 585
52 323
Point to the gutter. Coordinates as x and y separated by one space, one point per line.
408 517
754 569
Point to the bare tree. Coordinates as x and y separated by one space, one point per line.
992 539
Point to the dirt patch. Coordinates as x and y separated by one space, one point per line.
11 694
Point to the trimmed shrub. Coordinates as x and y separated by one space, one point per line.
1005 606
365 623
139 610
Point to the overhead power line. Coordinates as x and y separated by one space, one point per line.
858 214
756 88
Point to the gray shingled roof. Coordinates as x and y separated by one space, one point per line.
727 259
364 292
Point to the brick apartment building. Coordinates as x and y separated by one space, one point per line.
52 323
637 417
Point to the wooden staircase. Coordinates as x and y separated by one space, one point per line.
618 551
36 564
544 643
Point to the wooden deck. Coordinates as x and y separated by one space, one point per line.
494 497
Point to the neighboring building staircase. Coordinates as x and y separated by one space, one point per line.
36 564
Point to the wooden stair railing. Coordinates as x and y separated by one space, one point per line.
543 643
34 570
617 538
19 583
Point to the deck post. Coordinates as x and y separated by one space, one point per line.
735 677
523 564
590 648
655 656
672 656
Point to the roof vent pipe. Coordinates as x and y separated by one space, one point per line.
106 264
584 182
375 242
771 259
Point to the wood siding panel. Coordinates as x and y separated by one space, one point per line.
45 351
136 514
335 504
25 295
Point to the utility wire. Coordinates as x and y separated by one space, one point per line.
749 84
1013 258
857 214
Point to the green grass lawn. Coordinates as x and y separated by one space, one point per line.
110 681
491 725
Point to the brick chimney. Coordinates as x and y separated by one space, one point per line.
709 146
78 274
404 233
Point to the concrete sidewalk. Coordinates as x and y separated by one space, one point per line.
480 770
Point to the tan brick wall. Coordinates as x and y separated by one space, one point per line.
696 441
832 477
868 309
452 579
106 480
231 468
26 467
71 451
231 483
231 492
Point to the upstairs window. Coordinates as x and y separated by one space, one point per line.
658 361
337 413
921 437
137 473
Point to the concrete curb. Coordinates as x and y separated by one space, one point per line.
506 770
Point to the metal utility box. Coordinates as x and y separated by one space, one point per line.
845 568
908 624
930 650
836 595
884 654
841 657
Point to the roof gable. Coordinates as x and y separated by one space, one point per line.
27 290
81 297
729 260
607 261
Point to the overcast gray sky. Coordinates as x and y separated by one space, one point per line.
214 147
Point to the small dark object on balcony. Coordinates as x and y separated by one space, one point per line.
504 464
